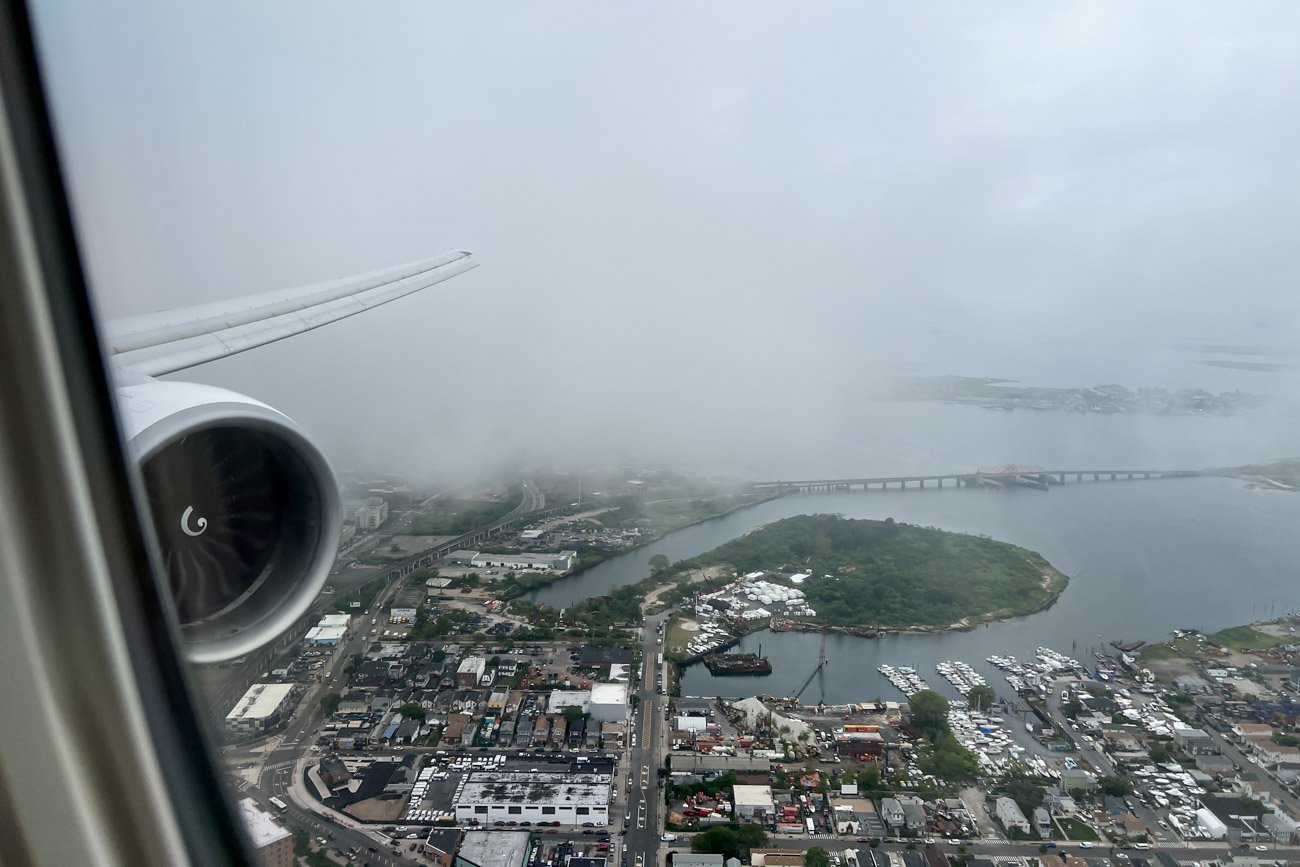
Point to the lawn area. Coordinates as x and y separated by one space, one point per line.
1076 830
676 638
1245 638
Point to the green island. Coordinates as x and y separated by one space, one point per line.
889 575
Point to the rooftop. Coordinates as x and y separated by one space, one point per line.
752 796
332 632
494 848
261 700
262 829
491 787
609 693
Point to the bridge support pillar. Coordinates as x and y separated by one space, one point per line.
1096 477
1112 477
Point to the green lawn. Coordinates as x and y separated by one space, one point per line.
1076 830
676 637
1245 638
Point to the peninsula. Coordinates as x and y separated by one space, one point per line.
888 575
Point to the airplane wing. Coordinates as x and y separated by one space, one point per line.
158 343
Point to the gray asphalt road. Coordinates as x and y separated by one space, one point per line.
645 799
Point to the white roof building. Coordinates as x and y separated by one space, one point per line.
263 831
260 707
609 702
752 802
325 635
571 799
1010 815
562 698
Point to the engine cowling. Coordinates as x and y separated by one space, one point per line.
245 507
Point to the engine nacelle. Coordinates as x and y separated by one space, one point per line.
245 507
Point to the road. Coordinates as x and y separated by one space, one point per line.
644 801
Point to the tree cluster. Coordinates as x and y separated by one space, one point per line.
729 841
889 574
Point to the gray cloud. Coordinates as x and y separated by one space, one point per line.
692 218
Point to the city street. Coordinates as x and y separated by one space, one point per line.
644 802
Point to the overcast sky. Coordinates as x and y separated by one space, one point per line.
690 217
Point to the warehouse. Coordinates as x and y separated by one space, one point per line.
328 632
608 702
570 799
261 707
754 804
557 562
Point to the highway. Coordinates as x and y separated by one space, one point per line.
645 801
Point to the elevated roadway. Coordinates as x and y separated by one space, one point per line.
1032 477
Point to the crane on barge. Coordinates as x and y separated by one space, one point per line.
820 669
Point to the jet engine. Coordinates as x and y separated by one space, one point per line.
245 508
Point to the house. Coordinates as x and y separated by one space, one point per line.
1010 815
891 811
355 703
1195 742
1042 823
913 814
1077 778
1281 827
1058 803
440 845
1246 732
333 772
1270 753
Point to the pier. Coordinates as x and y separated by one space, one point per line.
985 477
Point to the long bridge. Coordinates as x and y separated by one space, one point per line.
985 477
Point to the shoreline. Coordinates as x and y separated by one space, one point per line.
550 581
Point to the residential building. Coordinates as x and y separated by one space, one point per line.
1042 823
1195 742
471 670
913 814
891 812
693 859
372 514
440 845
271 841
333 772
1010 815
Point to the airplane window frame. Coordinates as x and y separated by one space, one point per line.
62 457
